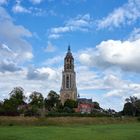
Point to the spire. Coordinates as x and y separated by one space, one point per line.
69 54
69 50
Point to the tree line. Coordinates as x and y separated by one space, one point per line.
34 105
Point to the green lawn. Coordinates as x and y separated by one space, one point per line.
79 132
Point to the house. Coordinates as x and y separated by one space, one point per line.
85 106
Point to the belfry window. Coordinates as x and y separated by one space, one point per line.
67 82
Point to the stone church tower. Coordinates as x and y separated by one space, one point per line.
68 88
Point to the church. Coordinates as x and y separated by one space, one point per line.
68 89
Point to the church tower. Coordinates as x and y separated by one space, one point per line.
68 88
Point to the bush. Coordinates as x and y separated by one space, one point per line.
138 119
56 114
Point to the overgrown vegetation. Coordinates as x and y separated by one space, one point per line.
63 121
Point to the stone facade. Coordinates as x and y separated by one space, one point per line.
68 88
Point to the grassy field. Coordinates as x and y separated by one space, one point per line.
72 132
60 121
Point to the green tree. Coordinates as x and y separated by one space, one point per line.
132 100
128 109
17 96
36 99
137 104
71 103
52 102
10 107
96 105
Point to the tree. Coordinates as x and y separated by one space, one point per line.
71 103
10 107
17 98
128 109
132 100
36 99
17 95
137 104
96 105
1 108
52 101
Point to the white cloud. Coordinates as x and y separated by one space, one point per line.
13 45
7 65
41 79
92 80
58 30
54 36
126 14
18 8
114 53
80 23
34 11
111 56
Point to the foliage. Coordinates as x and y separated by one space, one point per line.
132 106
36 99
52 102
96 105
128 107
32 111
17 95
71 103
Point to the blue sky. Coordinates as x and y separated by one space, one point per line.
105 40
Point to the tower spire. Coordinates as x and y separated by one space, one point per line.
69 50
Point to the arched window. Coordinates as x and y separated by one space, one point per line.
67 82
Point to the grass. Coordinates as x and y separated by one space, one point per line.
32 121
72 132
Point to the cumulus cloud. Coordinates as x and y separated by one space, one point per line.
114 53
43 73
80 23
35 74
50 81
13 45
8 65
126 14
92 80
